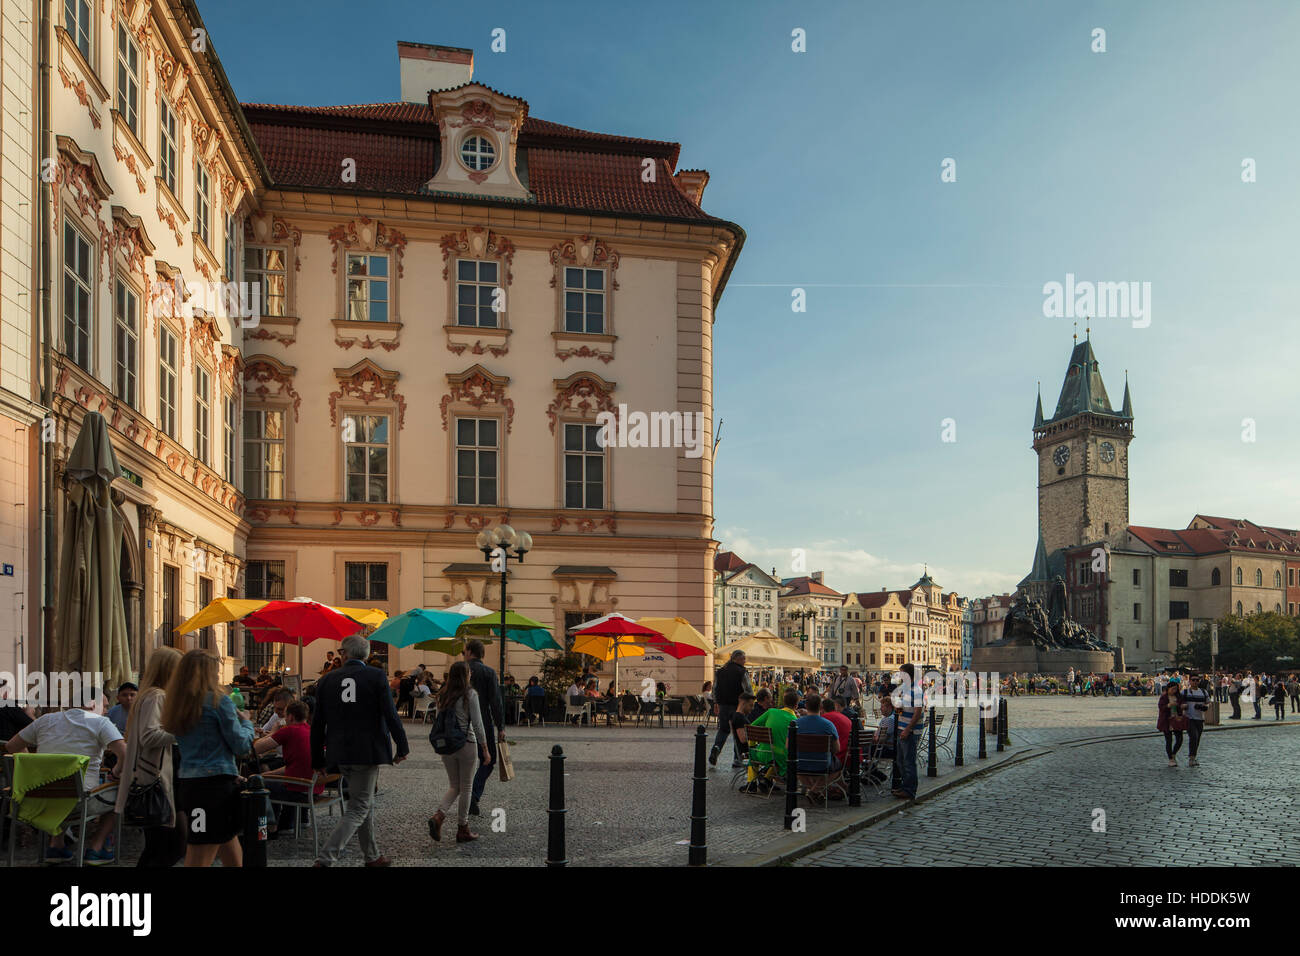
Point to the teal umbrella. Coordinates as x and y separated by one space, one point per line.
421 627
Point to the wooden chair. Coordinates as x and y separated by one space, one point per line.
762 763
832 777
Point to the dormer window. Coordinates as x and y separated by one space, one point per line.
477 153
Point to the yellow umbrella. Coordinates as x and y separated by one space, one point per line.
225 610
605 648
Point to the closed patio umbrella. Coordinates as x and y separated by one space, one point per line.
90 623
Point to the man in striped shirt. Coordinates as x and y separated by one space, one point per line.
1197 699
910 700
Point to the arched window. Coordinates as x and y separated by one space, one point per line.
1277 579
1259 608
1214 578
1277 608
1239 611
1239 575
1259 578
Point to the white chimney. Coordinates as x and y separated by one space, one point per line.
426 67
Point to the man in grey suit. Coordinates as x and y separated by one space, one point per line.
354 719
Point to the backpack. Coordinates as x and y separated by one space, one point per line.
449 733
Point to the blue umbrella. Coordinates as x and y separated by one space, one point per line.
418 625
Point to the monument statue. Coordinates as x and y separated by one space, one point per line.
1051 629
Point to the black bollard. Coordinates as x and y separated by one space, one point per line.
980 717
555 815
1003 730
855 763
256 804
960 759
932 758
791 775
1002 709
699 849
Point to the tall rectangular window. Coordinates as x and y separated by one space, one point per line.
126 342
169 596
202 414
365 458
476 285
476 461
167 381
202 204
167 145
230 432
263 580
264 453
367 288
1137 612
366 581
584 300
584 467
265 266
205 598
76 20
230 233
128 77
78 299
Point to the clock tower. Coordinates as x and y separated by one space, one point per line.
1083 459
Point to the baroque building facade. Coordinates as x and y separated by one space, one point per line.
745 599
459 292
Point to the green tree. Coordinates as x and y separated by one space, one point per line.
1260 642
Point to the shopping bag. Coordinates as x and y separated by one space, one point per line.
503 759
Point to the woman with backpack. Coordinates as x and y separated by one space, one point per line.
1278 700
459 738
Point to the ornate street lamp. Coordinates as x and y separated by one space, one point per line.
498 546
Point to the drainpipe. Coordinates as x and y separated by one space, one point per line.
47 356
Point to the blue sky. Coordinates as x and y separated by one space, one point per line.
924 298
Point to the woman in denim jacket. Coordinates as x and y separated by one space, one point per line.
210 733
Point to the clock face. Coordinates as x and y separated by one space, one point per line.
1107 451
1061 455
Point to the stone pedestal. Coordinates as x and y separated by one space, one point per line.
1014 659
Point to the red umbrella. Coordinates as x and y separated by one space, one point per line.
299 621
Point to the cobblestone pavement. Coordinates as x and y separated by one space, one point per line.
629 791
1241 798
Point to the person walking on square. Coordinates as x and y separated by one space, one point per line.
484 681
1250 691
1278 700
460 702
1170 721
1195 701
729 683
911 721
354 727
1293 690
1234 696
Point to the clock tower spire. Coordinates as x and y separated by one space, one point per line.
1083 459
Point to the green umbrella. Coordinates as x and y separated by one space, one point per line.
519 629
90 627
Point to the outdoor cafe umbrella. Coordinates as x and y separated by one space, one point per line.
768 650
418 626
90 633
681 639
519 629
297 621
610 637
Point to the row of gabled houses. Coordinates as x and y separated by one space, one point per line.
866 630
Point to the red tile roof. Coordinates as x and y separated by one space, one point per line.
873 598
728 561
1224 534
395 146
808 586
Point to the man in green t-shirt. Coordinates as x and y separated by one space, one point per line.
777 720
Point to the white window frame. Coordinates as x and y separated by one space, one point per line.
230 437
168 380
81 33
82 325
478 450
387 445
128 77
202 414
583 454
258 460
168 148
126 338
478 285
202 203
361 309
585 291
472 159
259 272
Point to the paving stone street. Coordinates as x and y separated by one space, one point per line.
629 793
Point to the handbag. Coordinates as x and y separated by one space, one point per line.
146 804
504 761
